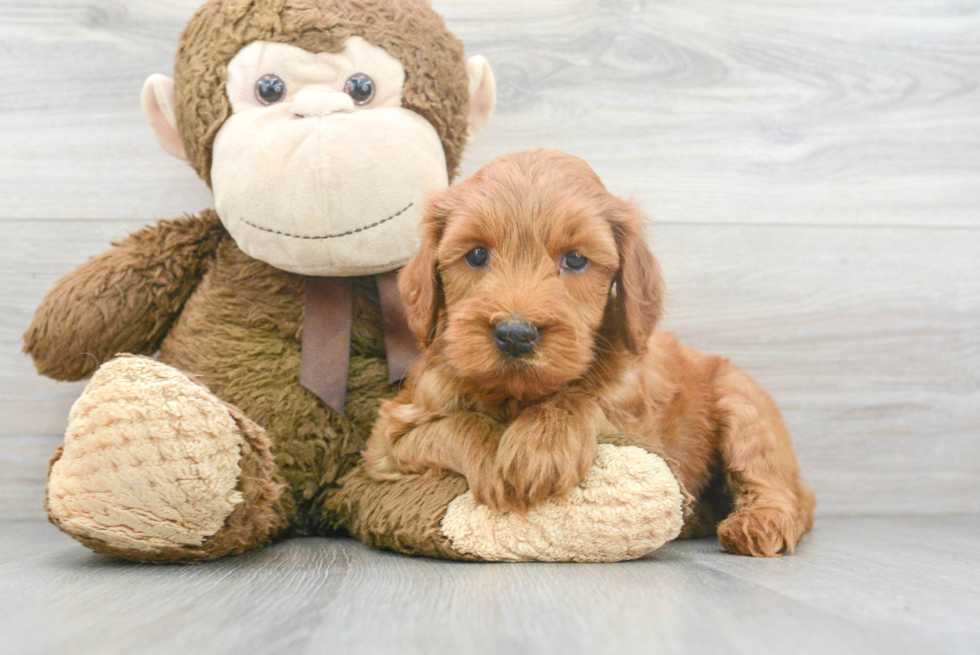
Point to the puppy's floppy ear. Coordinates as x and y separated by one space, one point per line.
639 284
418 282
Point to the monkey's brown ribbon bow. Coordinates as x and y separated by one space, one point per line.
327 324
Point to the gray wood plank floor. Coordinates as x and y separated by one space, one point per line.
856 585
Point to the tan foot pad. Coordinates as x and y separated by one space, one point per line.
150 461
628 505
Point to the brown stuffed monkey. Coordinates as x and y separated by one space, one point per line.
320 126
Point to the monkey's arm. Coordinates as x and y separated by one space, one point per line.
123 300
628 506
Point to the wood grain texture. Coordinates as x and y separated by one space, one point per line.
868 337
763 112
813 172
23 472
860 585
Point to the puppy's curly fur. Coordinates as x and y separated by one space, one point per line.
524 428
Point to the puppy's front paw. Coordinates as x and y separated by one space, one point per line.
489 488
760 532
383 468
537 460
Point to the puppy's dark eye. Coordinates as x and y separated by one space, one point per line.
270 89
575 262
478 257
360 88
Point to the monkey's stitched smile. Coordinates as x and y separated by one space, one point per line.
331 236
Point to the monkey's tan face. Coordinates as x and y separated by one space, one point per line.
319 170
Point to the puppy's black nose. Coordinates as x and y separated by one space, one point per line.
516 338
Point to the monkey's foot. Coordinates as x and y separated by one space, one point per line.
628 505
157 468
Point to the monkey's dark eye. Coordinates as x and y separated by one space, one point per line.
478 257
270 89
574 262
360 87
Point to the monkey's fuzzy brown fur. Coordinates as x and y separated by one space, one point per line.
238 332
436 83
522 430
234 323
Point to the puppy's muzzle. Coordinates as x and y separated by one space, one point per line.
516 338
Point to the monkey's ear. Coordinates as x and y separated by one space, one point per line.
159 102
483 95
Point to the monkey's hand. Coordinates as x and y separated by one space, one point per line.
123 300
629 504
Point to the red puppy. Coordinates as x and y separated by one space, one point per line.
537 298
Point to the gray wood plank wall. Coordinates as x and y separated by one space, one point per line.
812 170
